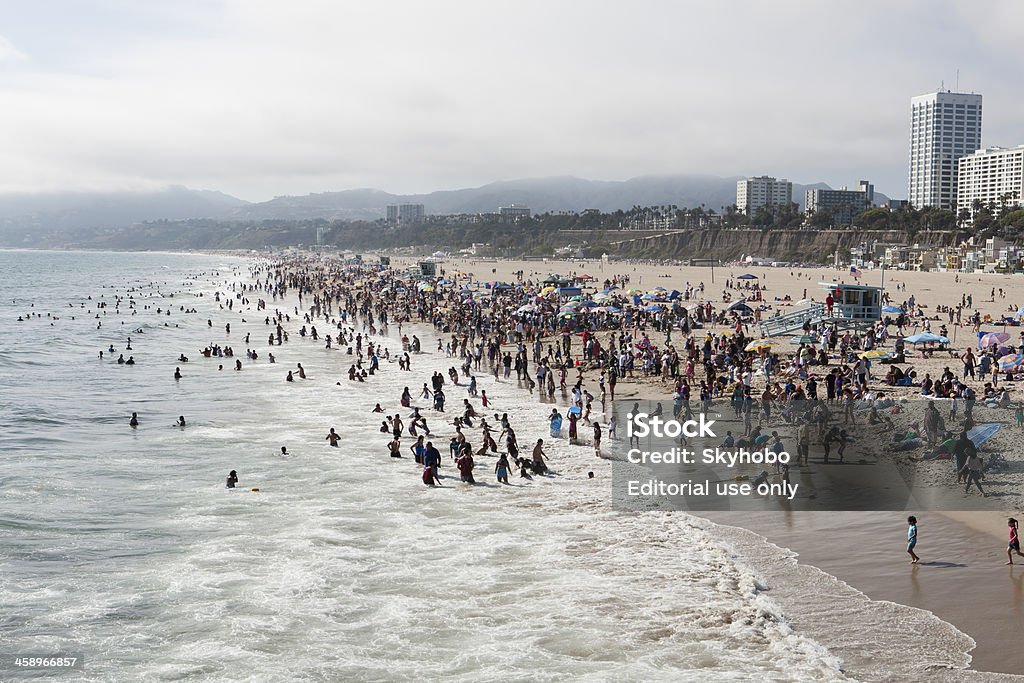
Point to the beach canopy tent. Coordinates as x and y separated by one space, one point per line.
804 339
926 338
747 276
740 307
569 291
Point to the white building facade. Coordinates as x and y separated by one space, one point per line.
762 191
990 176
944 126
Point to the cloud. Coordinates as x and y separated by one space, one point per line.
261 99
9 54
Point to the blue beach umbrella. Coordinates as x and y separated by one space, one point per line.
926 338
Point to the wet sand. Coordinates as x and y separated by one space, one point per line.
962 577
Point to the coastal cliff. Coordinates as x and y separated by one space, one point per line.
783 245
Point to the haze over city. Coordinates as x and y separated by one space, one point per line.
258 99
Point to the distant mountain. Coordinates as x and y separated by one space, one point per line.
62 211
540 194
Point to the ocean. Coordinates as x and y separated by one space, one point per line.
123 545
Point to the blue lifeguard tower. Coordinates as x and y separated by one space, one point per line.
853 307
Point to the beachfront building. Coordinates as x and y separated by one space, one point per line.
513 213
991 178
404 214
762 192
944 126
844 205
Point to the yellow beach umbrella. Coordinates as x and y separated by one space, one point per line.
759 344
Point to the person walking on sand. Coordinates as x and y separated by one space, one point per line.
973 470
912 539
1014 545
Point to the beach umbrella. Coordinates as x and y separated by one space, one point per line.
613 309
926 338
994 338
585 277
759 344
589 304
804 339
874 355
633 292
1011 363
891 309
657 290
547 290
653 307
527 308
747 276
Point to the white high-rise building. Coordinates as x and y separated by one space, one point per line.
991 175
944 126
753 193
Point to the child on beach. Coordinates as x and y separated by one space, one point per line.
1014 545
912 539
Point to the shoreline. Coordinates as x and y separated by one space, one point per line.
754 542
961 582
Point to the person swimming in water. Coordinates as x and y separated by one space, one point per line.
232 479
333 437
134 421
181 421
177 373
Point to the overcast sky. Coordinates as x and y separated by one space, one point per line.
260 99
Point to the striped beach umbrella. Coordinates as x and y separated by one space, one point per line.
994 338
1011 363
